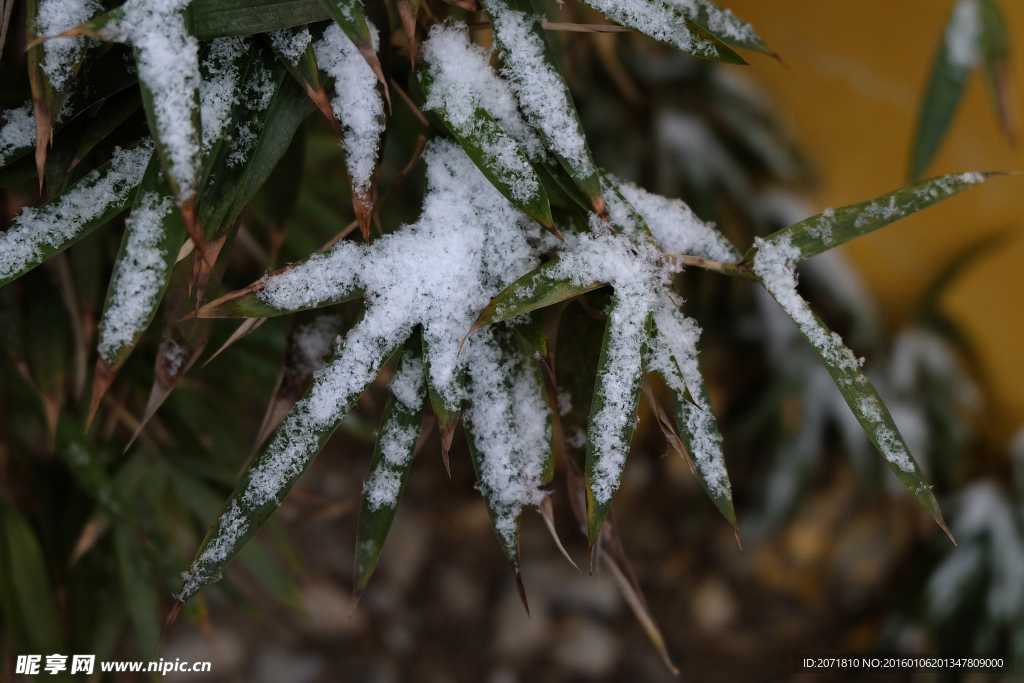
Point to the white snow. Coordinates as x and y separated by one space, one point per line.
357 104
658 20
139 277
464 82
312 344
257 91
538 86
948 184
62 220
54 17
721 22
676 229
168 61
219 91
174 357
409 384
290 44
963 35
18 131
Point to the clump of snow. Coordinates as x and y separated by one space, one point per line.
408 385
510 422
290 44
963 35
323 277
538 86
312 344
139 276
168 61
174 357
54 17
463 83
357 104
822 227
948 184
658 20
257 92
676 229
18 132
62 220
219 91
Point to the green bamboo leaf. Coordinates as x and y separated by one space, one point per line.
580 336
153 235
724 25
294 47
775 263
835 227
38 234
542 91
302 435
267 571
532 329
446 408
140 595
348 15
613 410
275 203
532 291
61 156
223 68
48 350
115 111
562 191
959 52
30 607
225 18
87 468
995 54
392 459
666 23
499 158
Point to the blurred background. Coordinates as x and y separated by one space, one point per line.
836 556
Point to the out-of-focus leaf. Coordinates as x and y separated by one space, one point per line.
47 353
265 569
995 61
348 14
276 200
614 419
479 142
87 468
304 69
663 21
140 594
114 112
153 234
389 470
29 605
835 227
220 18
517 29
407 11
81 208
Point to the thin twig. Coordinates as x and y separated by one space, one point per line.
409 103
734 269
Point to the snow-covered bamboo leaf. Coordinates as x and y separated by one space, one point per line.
139 594
532 328
960 51
667 23
38 234
309 346
834 227
223 68
154 232
301 436
613 409
723 24
392 458
533 291
229 18
294 47
359 108
53 64
561 190
30 607
774 263
496 154
446 408
542 91
348 15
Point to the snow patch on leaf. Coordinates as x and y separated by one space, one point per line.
218 91
290 44
54 17
18 131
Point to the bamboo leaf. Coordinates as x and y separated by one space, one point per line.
153 234
115 111
835 227
995 53
445 408
267 571
724 25
94 200
88 469
580 336
302 66
139 594
499 158
30 607
543 93
392 459
613 411
666 23
774 264
348 14
302 435
222 18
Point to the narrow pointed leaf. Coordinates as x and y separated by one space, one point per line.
392 458
774 264
542 91
154 232
663 21
294 47
499 158
724 25
302 435
835 227
579 342
348 14
38 234
995 53
446 408
613 411
267 572
223 18
115 111
139 593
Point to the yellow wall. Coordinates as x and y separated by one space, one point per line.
857 69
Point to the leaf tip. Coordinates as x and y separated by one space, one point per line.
102 380
522 591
